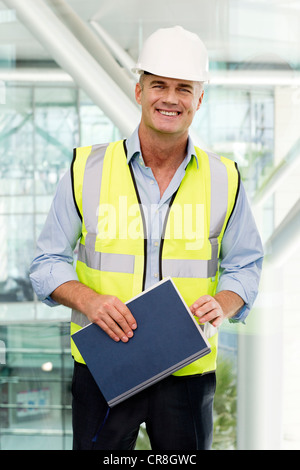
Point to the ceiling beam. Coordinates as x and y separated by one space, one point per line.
72 57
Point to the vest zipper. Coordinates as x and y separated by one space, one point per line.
163 234
142 215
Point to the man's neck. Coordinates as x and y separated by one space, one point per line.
162 151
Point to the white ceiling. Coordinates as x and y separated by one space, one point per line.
244 31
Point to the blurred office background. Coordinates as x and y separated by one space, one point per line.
65 82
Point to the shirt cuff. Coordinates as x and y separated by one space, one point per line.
235 286
46 279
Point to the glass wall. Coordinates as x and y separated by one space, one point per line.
39 127
246 135
35 387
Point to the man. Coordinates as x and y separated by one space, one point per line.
146 208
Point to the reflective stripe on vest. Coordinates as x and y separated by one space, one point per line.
111 264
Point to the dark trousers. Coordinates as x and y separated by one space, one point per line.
177 411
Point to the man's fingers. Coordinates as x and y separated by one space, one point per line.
115 318
111 327
206 308
127 315
203 305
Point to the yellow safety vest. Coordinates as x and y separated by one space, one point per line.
113 246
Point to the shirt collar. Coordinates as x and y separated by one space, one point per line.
134 148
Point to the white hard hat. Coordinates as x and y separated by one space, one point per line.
174 53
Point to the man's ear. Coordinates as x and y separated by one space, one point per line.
138 93
200 100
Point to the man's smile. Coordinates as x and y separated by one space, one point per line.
168 113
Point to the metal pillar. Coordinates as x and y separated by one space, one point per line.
260 347
94 46
69 53
286 167
260 370
117 51
286 238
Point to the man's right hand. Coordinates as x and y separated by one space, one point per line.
113 316
107 311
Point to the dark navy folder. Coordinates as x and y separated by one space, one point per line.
167 338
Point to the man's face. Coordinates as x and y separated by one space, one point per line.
168 105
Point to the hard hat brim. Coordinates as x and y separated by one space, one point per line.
204 77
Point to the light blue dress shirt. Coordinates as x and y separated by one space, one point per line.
241 251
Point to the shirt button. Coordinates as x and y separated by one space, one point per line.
151 182
155 243
156 275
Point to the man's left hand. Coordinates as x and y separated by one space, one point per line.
216 309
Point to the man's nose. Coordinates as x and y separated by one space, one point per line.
170 96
